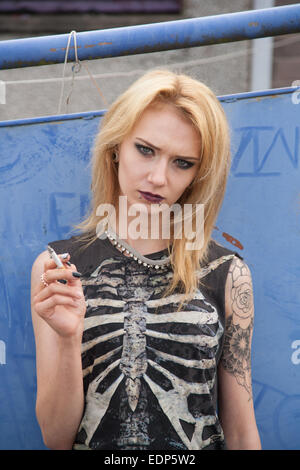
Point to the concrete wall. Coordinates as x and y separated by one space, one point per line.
35 91
286 49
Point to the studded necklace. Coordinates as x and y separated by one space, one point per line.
140 259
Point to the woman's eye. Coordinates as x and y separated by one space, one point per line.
185 165
144 150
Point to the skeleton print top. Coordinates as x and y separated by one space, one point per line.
149 372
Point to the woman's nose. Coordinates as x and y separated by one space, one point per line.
158 173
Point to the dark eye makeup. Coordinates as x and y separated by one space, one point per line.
146 151
184 164
143 149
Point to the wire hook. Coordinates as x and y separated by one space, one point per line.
75 68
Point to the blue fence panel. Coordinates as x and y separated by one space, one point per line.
44 189
262 209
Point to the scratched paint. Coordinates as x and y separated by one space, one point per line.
231 239
2 353
27 150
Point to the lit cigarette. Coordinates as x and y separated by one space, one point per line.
55 258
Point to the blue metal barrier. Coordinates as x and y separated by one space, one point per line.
44 190
152 37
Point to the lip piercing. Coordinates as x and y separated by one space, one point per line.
43 280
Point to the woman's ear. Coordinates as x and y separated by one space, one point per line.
115 157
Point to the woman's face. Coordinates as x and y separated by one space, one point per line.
160 157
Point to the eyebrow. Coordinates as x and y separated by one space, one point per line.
157 148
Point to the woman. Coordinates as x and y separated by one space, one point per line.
140 349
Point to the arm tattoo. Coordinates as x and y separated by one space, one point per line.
236 356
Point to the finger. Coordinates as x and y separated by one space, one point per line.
45 307
73 277
70 275
59 289
50 264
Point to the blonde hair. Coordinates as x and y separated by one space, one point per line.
201 107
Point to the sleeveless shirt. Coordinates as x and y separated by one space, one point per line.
149 372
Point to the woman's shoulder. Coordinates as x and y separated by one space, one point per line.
84 252
59 246
217 250
69 245
213 274
218 259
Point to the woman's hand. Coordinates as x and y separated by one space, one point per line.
57 315
61 305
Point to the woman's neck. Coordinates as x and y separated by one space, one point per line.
141 240
146 247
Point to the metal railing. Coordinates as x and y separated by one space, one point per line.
179 34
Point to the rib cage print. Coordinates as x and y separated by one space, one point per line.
149 371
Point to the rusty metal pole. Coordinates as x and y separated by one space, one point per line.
155 37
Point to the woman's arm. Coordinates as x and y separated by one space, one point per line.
57 314
236 409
